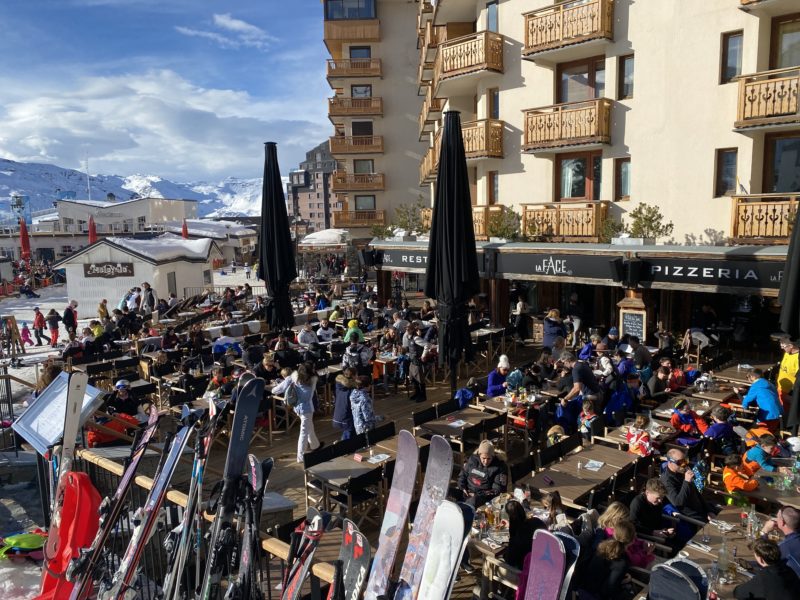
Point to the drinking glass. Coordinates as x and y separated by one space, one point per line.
705 537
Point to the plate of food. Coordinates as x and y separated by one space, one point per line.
500 500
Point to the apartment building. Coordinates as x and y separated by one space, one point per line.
574 112
309 193
373 70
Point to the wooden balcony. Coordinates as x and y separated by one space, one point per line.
358 182
342 106
430 112
358 218
566 125
482 139
769 99
354 67
430 162
564 221
476 52
338 32
568 23
356 144
481 218
763 218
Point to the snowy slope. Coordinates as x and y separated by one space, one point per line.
42 183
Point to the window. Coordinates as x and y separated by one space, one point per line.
491 16
581 81
66 249
365 202
731 64
360 52
492 187
622 186
625 77
579 176
172 285
361 91
141 222
782 163
207 277
349 9
319 204
493 97
725 172
785 42
361 127
363 165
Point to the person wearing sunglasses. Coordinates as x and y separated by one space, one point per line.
682 493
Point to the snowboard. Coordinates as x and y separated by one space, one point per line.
305 540
444 554
434 491
354 556
546 570
468 514
395 515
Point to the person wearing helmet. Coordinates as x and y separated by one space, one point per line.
121 400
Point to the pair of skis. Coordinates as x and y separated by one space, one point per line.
305 540
352 567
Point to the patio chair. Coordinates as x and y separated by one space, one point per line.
314 488
360 499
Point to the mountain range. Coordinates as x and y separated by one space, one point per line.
43 183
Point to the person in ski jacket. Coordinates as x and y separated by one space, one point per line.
736 477
70 317
638 437
149 299
553 327
121 400
357 357
496 383
52 319
685 420
299 390
623 401
39 324
764 396
361 405
102 309
342 411
760 456
721 431
483 476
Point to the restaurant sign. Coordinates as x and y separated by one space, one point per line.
554 266
756 274
108 270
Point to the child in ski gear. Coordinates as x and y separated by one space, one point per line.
638 437
764 396
342 411
721 431
586 419
736 477
353 331
483 476
52 319
638 551
760 455
357 356
606 570
39 324
218 380
362 406
646 510
685 420
121 400
25 334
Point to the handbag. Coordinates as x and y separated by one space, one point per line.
291 396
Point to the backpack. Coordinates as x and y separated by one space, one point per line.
291 396
677 578
464 396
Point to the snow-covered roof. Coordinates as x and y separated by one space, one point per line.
326 237
162 249
106 204
210 229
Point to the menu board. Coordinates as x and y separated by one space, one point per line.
633 322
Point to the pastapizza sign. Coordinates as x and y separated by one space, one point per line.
754 274
108 270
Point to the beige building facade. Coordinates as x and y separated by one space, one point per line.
577 112
373 109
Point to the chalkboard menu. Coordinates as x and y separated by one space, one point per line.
633 322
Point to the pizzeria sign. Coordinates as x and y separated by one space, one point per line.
108 270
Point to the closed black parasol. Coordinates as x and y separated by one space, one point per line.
276 264
789 298
452 275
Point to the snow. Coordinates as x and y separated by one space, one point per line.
326 237
19 580
166 247
211 229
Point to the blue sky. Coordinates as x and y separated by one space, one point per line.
184 89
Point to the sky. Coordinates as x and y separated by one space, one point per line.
184 89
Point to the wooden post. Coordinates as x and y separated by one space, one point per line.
499 301
384 280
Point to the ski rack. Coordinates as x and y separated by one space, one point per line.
320 572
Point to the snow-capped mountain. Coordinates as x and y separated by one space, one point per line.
43 183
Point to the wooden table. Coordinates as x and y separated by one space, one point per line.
721 395
619 435
445 426
738 375
771 494
338 470
572 488
387 363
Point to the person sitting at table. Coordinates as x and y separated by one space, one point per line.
553 327
641 355
121 400
399 323
736 477
161 365
658 384
342 411
589 349
686 421
646 510
357 356
496 384
365 316
640 552
268 369
389 341
431 333
638 437
564 380
558 348
606 569
426 313
612 339
787 521
625 399
554 435
773 580
546 364
624 364
682 493
322 302
520 533
219 381
252 354
553 515
764 396
483 476
362 406
726 441
760 455
336 313
587 419
326 333
185 385
353 331
306 336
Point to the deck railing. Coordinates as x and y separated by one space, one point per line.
483 138
354 67
562 221
355 182
769 98
568 124
352 30
356 144
341 106
358 218
467 54
763 218
568 23
430 106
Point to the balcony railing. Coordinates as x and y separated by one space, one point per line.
480 51
340 106
568 23
430 162
431 111
564 221
354 67
358 218
481 219
764 218
350 30
358 182
356 144
570 124
482 139
768 98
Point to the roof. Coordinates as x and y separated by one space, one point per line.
219 230
163 249
106 204
326 237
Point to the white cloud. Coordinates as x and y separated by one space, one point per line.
155 122
237 33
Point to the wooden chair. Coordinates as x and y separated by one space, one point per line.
568 444
446 408
494 425
314 488
501 578
422 416
522 469
600 494
382 432
547 456
360 499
